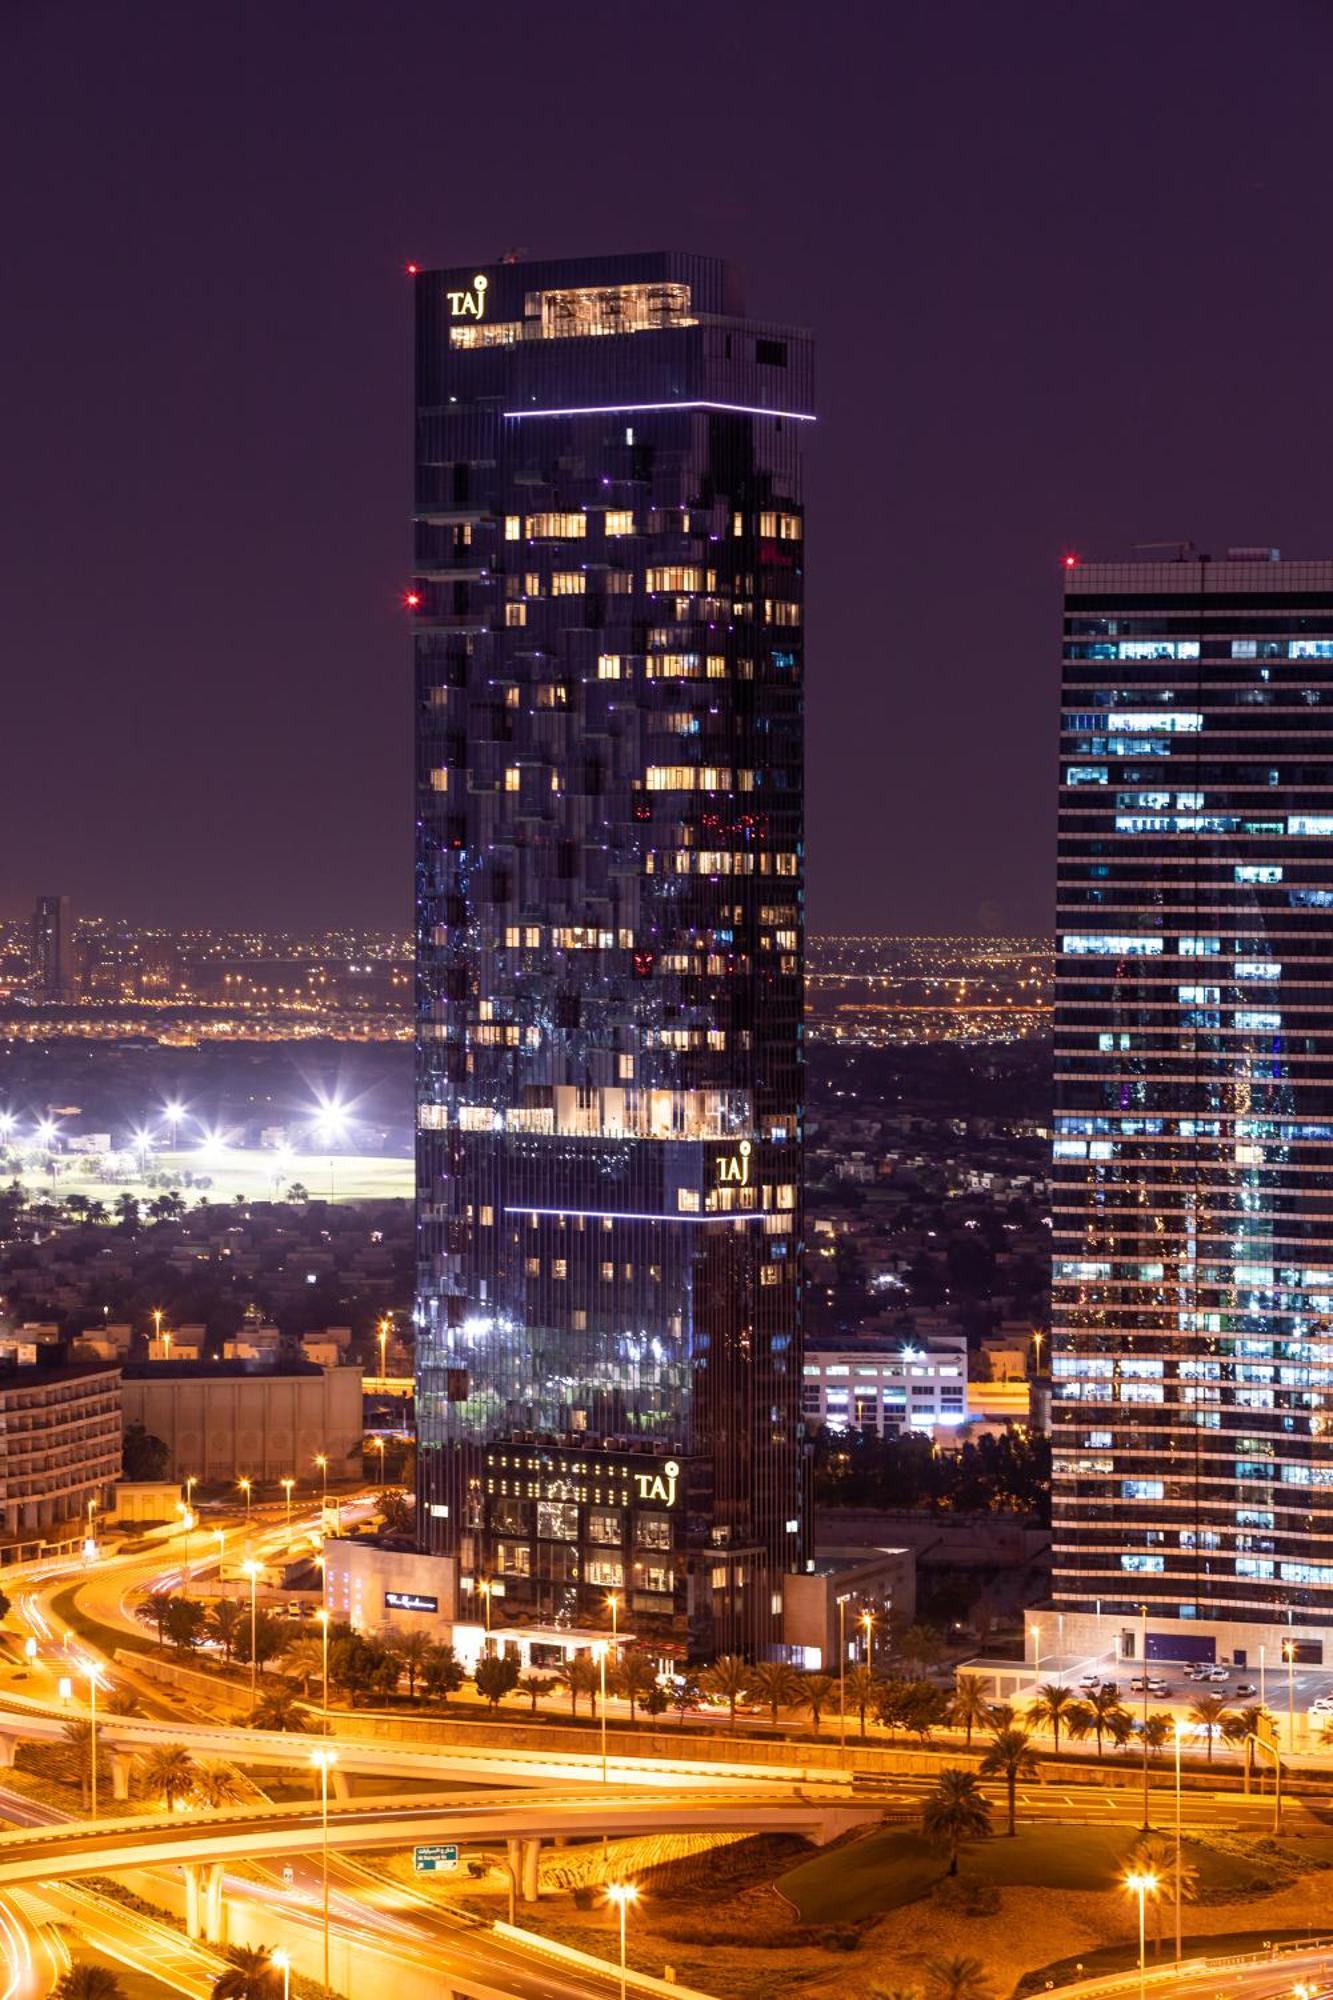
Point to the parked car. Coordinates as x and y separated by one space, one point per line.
1159 1688
1322 1705
1219 1673
1246 1687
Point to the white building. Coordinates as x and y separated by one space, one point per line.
887 1388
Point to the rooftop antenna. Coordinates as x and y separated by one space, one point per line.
514 254
1180 550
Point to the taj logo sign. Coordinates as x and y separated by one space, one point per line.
659 1486
470 304
735 1170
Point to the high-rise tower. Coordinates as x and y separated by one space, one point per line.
1192 1344
608 609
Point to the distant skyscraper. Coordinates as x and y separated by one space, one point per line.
1192 1345
608 599
52 962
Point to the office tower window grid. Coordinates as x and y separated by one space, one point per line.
608 584
1192 1348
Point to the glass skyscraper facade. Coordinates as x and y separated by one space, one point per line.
608 610
1192 1343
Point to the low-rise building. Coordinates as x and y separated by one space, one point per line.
225 1420
848 1598
886 1388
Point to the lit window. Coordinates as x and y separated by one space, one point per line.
568 583
564 527
516 614
513 527
511 777
620 521
608 667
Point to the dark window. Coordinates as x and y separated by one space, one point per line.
772 352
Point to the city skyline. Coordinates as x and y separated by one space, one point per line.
1021 357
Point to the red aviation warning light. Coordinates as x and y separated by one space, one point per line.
412 270
1071 562
412 600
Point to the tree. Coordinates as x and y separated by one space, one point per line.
270 1637
1105 1713
817 1691
298 1194
496 1676
1050 1707
185 1623
778 1685
1155 1854
1157 1731
82 1981
396 1512
217 1784
861 1687
143 1456
1245 1725
168 1773
1210 1711
920 1647
657 1701
922 1707
410 1650
728 1679
958 1978
277 1709
441 1671
955 1810
684 1696
252 1975
127 1212
579 1676
633 1678
1012 1758
969 1707
537 1686
224 1622
123 1701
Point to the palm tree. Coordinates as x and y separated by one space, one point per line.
969 1709
1012 1758
123 1701
277 1709
1246 1725
920 1647
1210 1712
303 1660
1155 1854
633 1678
777 1684
1157 1731
216 1784
169 1773
535 1686
1106 1712
861 1687
958 1979
251 1975
224 1622
817 1691
956 1810
729 1679
82 1981
684 1696
1050 1706
578 1676
411 1648
153 1611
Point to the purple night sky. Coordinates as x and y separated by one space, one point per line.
1068 267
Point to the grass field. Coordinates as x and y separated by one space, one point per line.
258 1175
895 1866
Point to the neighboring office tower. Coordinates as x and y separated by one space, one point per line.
1192 1340
52 962
608 596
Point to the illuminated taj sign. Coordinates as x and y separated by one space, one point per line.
470 303
410 1600
734 1170
659 1486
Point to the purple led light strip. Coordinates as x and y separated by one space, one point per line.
624 1215
631 409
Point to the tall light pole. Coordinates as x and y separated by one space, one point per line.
287 1486
842 1671
284 1965
622 1894
323 1618
324 1760
245 1485
251 1568
92 1671
1289 1655
1143 1673
1263 1677
1182 1729
600 1650
867 1623
1141 1884
382 1332
613 1606
187 1522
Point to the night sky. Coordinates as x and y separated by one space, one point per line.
1069 268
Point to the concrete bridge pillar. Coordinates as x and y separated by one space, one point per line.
341 1788
190 1871
122 1763
213 1911
531 1877
8 1745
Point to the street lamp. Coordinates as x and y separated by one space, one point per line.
187 1523
1035 1629
245 1486
1141 1884
382 1333
1289 1655
287 1487
867 1623
284 1965
1143 1672
842 1670
324 1760
600 1651
622 1894
613 1606
251 1568
484 1588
